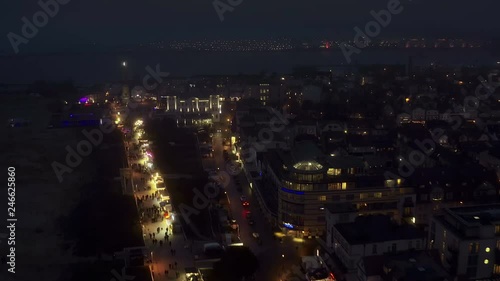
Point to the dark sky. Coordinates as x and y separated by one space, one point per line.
112 22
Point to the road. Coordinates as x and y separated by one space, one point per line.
274 257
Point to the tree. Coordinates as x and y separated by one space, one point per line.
236 263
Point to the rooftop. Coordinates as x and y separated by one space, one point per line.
304 151
483 214
356 232
408 265
345 161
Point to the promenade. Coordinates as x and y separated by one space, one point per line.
170 251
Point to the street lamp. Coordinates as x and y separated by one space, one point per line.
124 64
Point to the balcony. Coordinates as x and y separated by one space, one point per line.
368 207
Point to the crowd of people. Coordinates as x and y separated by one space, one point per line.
152 213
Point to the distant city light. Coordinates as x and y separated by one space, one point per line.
124 63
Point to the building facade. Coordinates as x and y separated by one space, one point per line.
371 236
307 180
468 240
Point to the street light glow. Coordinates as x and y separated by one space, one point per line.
124 63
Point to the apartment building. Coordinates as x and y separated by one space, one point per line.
371 236
177 104
307 180
468 240
408 265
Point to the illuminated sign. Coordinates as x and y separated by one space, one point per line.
288 225
292 191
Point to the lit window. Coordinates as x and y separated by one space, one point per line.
378 194
337 186
322 198
473 248
333 172
389 183
308 166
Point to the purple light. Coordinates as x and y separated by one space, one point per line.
84 99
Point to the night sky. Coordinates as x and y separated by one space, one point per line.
114 22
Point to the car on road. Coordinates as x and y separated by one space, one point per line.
243 198
245 203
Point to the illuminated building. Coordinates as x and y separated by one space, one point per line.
307 180
468 240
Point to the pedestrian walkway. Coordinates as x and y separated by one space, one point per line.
170 252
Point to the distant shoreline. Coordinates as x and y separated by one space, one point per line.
293 50
98 67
